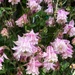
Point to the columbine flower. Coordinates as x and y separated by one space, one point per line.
9 23
50 9
26 45
33 67
23 45
50 55
68 27
59 47
22 20
49 58
4 32
50 21
14 1
62 16
63 47
33 5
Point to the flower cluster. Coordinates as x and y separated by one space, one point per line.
44 31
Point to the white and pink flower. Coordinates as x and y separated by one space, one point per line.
63 47
22 20
33 67
70 29
62 16
50 9
33 5
26 45
50 58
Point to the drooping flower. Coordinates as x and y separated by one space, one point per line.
4 32
50 58
62 16
14 1
50 55
9 23
59 46
63 47
33 67
22 20
49 10
68 27
50 21
23 46
33 5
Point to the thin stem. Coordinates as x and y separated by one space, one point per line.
56 8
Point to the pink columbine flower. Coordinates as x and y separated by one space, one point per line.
14 1
22 20
9 23
50 9
68 27
63 47
50 55
33 67
23 46
26 45
50 21
62 16
49 58
59 46
33 5
4 32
